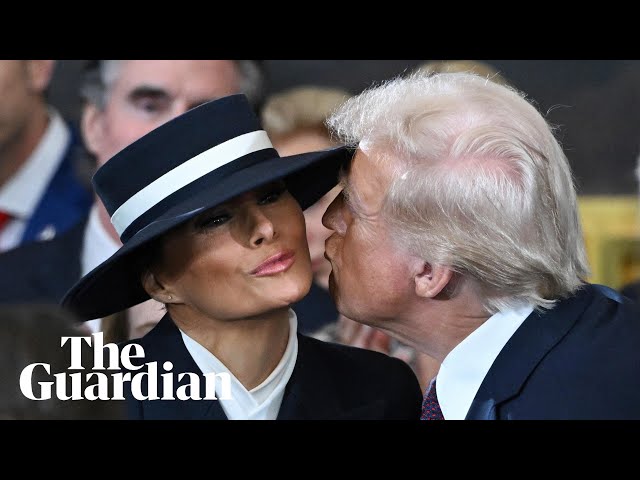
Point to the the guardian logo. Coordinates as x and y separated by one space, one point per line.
108 383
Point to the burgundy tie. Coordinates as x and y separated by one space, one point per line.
430 406
4 218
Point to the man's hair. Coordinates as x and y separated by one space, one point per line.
480 183
99 74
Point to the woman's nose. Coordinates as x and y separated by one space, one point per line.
261 227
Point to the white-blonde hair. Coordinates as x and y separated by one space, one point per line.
480 183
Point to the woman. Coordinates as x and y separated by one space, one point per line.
211 223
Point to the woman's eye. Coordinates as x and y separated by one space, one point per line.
213 221
272 195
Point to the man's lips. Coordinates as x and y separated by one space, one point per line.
277 263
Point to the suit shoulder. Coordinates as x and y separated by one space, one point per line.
362 361
632 291
41 270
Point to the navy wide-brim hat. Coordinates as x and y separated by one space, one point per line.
194 162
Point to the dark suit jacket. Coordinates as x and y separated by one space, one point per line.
632 290
580 360
66 199
42 272
316 310
329 382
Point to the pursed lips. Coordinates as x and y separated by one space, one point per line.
277 263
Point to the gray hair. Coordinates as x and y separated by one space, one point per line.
99 75
480 183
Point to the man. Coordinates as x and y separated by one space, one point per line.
124 100
457 232
42 192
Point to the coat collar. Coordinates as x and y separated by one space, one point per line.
164 343
537 335
308 395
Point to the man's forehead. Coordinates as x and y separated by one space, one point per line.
365 182
365 172
215 74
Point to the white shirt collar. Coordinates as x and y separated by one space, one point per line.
465 367
97 246
261 402
22 193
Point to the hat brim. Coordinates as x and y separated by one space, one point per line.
115 284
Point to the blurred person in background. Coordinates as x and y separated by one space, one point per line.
31 334
465 66
43 189
123 100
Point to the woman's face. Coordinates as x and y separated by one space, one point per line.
242 258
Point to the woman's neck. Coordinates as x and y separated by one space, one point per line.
250 348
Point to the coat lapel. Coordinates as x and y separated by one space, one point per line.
164 343
537 335
310 393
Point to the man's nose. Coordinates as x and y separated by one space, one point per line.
332 218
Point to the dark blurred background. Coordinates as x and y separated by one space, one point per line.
594 103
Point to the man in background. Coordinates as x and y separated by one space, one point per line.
42 189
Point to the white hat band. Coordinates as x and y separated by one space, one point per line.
185 173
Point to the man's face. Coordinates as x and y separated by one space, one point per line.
370 280
147 93
22 85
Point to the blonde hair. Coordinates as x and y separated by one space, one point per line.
460 66
298 108
480 183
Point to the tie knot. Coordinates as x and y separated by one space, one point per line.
430 406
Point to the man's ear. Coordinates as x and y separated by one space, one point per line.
155 289
432 280
92 127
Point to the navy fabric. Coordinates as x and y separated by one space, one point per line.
42 272
66 199
579 360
